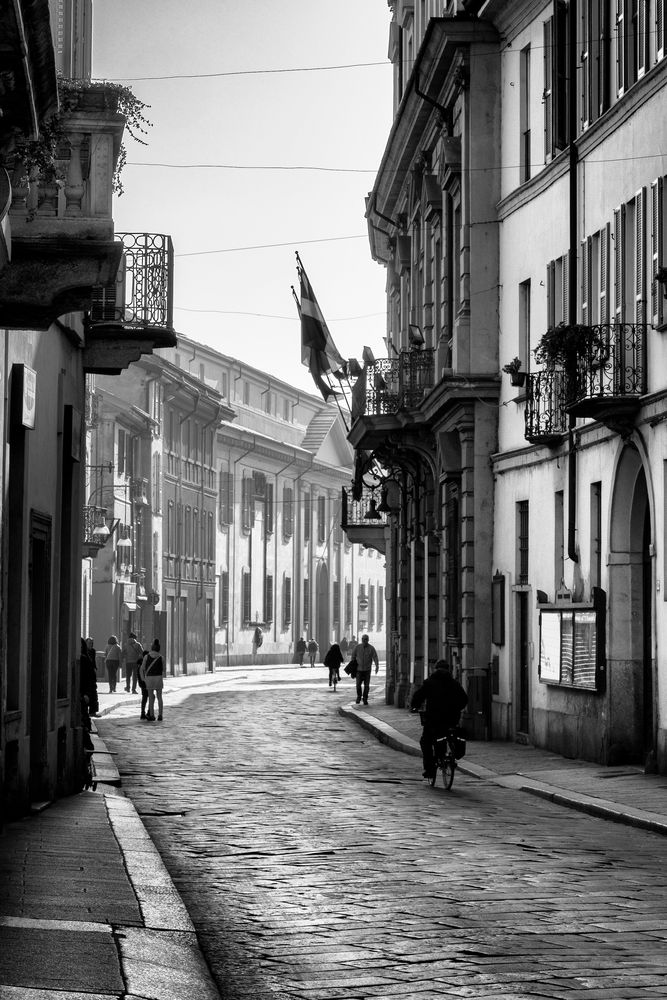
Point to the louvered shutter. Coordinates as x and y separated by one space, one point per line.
605 236
551 293
642 41
620 46
660 28
565 290
640 257
657 289
619 264
547 97
586 252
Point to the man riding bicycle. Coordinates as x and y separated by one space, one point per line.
445 700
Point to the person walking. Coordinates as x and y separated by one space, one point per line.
152 667
312 651
88 678
344 646
333 660
365 655
445 700
301 649
112 659
133 653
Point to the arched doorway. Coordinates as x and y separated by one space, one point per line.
630 664
322 627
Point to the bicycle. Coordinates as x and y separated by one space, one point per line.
445 761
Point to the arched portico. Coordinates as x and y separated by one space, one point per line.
630 659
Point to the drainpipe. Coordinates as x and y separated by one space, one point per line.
572 266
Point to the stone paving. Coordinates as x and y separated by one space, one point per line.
317 865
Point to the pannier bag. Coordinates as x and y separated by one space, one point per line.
458 742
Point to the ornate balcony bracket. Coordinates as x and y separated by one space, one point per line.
115 351
619 415
47 278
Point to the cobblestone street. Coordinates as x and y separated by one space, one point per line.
316 863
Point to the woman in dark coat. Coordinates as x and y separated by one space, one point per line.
333 660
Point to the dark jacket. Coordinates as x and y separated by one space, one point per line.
445 699
334 657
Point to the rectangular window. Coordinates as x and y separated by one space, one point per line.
224 598
247 503
226 497
596 534
524 114
658 256
286 409
246 393
547 94
559 541
268 599
287 602
120 461
321 519
371 606
524 324
348 606
561 126
522 542
640 257
618 239
380 607
268 509
306 602
156 484
288 512
246 598
603 306
336 603
306 517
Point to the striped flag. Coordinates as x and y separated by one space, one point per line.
318 351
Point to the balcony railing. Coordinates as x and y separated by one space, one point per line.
611 369
546 402
141 296
395 384
356 512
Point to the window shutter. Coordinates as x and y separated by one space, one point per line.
604 273
560 123
619 264
551 293
640 262
660 29
224 598
642 41
268 515
586 251
268 599
657 236
565 289
287 602
547 96
620 46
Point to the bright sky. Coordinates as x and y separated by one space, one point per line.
239 301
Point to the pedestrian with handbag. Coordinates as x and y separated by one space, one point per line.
113 658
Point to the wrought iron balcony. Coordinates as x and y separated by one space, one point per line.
610 375
395 384
546 406
361 521
141 295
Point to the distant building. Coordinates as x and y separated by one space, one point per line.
225 485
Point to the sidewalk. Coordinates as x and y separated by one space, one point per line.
622 794
88 908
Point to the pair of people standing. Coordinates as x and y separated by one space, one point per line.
151 672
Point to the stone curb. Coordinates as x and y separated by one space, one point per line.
602 808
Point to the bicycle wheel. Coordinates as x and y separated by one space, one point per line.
447 766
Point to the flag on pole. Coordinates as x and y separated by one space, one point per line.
318 352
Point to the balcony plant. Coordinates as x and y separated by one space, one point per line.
78 95
38 155
513 369
564 343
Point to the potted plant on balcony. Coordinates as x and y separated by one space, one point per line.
101 95
564 343
513 369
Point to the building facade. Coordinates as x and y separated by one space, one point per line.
224 485
513 437
283 565
59 259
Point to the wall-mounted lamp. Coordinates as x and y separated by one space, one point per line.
372 512
415 336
